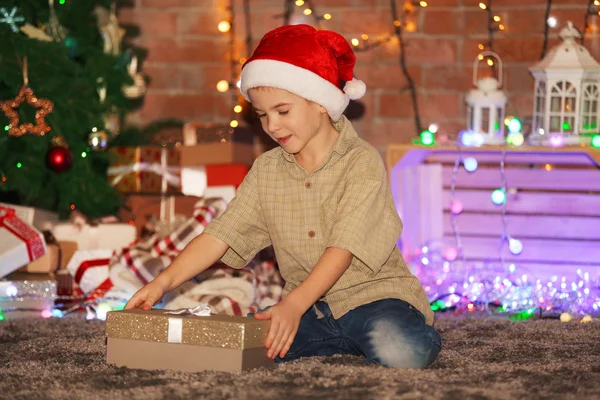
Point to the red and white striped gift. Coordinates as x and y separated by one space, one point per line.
90 269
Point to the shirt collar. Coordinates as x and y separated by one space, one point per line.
342 144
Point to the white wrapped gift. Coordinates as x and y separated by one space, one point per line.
20 243
113 236
41 220
89 268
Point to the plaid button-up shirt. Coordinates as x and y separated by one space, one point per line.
346 203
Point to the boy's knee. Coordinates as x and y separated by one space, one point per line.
396 348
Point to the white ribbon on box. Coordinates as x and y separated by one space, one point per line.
194 182
175 328
169 174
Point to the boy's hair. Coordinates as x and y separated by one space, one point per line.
306 62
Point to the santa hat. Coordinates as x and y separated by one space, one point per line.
311 63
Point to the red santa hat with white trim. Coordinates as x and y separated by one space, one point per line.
313 64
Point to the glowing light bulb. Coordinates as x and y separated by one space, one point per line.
327 16
102 309
299 3
423 4
515 246
552 22
470 164
224 26
234 124
482 6
354 42
222 86
556 140
46 314
308 11
516 139
498 196
496 18
595 141
433 128
237 109
427 138
514 125
450 254
456 207
11 291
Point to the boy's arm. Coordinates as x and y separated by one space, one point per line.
330 267
285 316
202 252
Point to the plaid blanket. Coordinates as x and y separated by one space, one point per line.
226 290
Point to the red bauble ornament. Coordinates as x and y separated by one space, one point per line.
59 159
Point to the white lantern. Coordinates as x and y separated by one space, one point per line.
566 94
485 107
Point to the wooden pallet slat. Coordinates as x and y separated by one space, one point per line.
544 203
526 178
534 250
526 226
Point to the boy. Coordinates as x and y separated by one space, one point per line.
322 200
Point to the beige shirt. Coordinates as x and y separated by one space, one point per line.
344 203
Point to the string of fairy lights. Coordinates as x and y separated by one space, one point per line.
452 281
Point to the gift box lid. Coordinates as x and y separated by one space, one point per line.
223 331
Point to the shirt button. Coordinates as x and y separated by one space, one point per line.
311 234
308 185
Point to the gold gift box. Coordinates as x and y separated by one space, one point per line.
144 340
133 169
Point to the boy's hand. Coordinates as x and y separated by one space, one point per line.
146 297
285 319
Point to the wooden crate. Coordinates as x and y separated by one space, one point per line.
553 204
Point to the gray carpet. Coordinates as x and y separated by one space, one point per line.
493 359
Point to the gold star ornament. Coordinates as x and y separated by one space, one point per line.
44 107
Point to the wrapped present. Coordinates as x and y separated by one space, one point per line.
146 212
212 143
27 295
99 236
188 340
217 153
57 256
145 169
213 181
40 219
200 132
89 269
20 243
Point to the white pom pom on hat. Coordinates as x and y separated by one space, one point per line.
310 63
355 89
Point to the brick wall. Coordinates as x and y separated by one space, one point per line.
188 56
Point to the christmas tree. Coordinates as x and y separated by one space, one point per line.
66 84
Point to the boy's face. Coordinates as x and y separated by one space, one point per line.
288 119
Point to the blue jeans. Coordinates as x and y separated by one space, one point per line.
389 332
